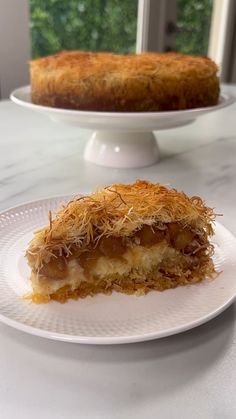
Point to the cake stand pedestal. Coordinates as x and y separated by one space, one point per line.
122 149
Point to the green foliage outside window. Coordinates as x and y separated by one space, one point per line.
109 25
96 25
193 20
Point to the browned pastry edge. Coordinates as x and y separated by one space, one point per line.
124 83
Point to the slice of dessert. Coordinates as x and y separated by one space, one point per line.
128 238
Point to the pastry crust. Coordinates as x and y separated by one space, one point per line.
132 238
145 82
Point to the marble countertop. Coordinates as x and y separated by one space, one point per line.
188 375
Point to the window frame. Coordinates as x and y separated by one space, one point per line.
152 25
221 40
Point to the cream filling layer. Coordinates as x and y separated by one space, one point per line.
137 260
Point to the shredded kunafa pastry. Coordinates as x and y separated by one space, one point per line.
130 238
102 81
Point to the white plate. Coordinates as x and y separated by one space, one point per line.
121 139
104 319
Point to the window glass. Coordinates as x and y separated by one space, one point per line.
95 25
193 23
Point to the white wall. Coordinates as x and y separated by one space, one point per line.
14 45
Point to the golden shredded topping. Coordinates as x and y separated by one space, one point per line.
117 210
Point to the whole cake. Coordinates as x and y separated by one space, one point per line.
128 238
148 82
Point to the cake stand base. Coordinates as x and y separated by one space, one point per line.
122 149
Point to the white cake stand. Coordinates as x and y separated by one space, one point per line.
120 139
